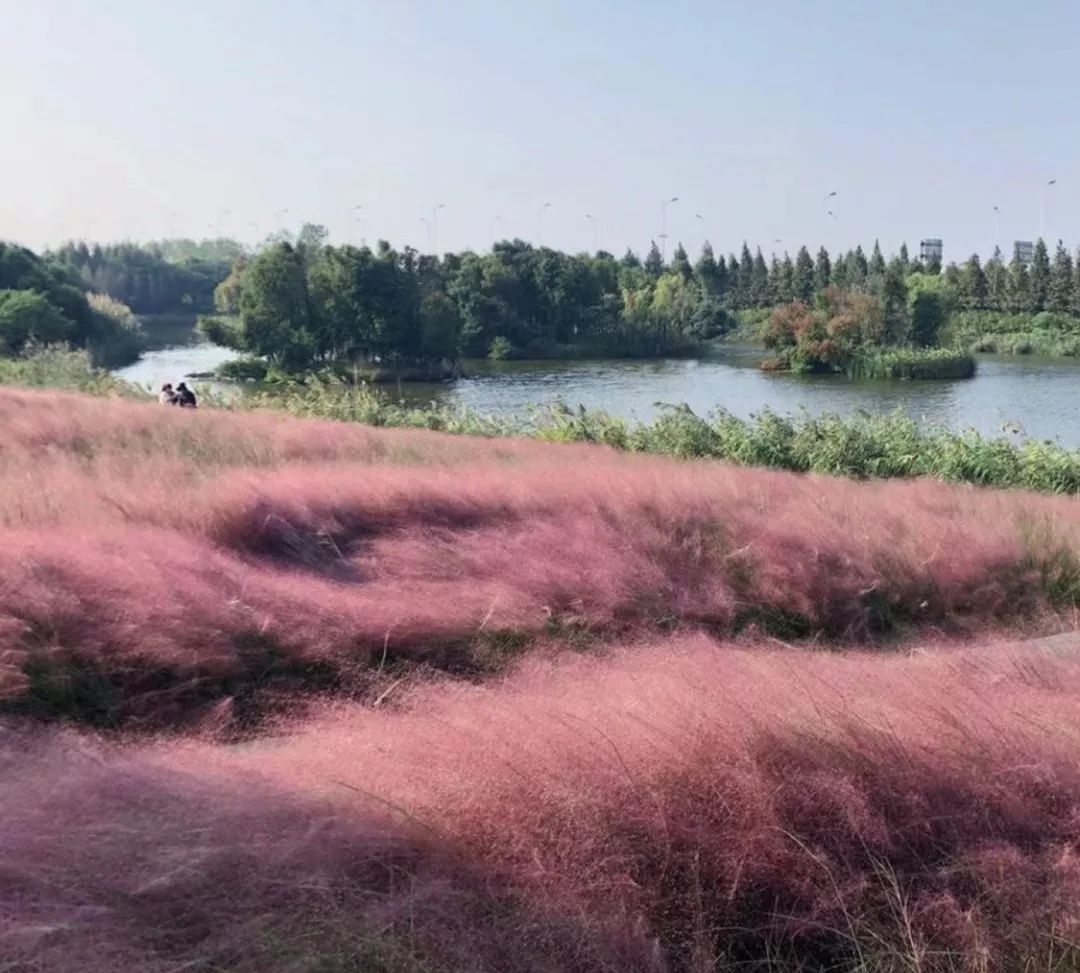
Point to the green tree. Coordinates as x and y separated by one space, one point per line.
440 327
1040 276
997 281
822 270
705 270
894 301
631 260
654 262
803 278
759 280
927 316
1061 280
973 287
723 277
276 318
27 316
877 262
784 281
858 268
680 263
744 287
1019 284
905 259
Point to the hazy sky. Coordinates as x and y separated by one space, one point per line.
142 118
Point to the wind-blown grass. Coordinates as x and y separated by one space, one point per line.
155 562
678 807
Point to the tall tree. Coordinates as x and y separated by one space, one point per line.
1019 284
275 308
723 277
1076 283
630 260
654 262
858 268
784 286
894 301
997 281
905 259
759 280
745 287
973 284
877 261
1061 280
822 270
705 270
1040 276
803 278
680 263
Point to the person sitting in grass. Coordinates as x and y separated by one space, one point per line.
167 395
185 398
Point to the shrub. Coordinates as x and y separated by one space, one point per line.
500 349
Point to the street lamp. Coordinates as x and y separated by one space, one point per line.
435 226
352 218
595 230
540 222
663 225
997 227
1042 208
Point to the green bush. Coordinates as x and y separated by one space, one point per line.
57 366
500 349
243 370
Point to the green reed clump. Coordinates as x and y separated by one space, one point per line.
59 367
913 363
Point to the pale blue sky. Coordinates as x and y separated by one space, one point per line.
143 118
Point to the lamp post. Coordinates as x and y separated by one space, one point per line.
352 218
435 226
1042 208
997 227
595 231
540 222
663 225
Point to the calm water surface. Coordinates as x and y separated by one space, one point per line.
1043 396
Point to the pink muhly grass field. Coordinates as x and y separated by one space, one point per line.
679 806
154 563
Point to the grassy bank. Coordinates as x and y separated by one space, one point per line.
285 557
516 706
862 446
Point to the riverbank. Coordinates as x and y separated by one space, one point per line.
865 446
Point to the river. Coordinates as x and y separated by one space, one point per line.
1042 396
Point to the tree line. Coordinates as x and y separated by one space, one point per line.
43 302
173 276
304 304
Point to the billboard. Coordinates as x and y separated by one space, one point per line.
930 249
1025 251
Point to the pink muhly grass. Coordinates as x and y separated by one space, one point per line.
671 807
192 557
